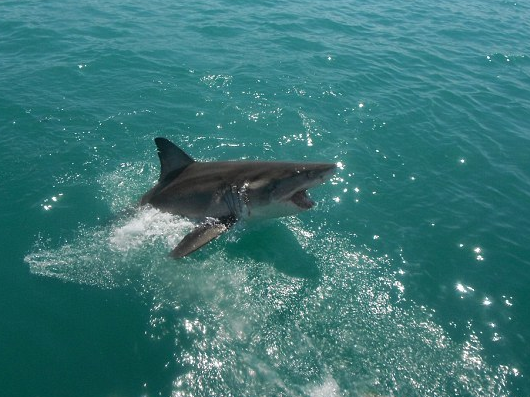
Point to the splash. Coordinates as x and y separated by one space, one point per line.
108 256
247 326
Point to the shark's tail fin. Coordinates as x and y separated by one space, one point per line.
173 160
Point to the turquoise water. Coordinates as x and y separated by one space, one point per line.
411 276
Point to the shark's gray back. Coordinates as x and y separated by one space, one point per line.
217 189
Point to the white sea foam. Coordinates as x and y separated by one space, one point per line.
252 328
147 226
329 388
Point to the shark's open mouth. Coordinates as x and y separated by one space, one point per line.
302 200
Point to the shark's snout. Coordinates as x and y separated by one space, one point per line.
319 172
315 174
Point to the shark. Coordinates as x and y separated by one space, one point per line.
218 194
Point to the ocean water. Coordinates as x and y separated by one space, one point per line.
410 277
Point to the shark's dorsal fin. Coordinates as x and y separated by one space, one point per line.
172 159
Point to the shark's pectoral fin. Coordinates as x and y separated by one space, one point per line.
201 235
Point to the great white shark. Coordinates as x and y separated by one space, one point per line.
219 193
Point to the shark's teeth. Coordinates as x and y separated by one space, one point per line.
302 200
